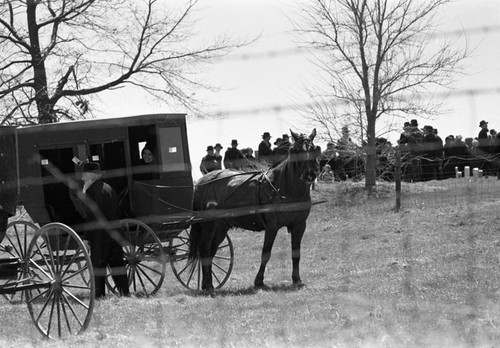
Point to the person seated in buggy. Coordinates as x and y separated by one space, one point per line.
148 168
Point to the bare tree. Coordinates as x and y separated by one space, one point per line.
381 55
58 54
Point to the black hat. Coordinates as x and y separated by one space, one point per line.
407 124
234 142
278 140
483 122
218 146
330 144
414 123
91 167
429 128
210 148
266 134
285 136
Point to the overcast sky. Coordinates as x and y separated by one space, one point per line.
256 77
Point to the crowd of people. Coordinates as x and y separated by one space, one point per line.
429 157
246 159
425 155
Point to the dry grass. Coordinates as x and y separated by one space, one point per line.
424 277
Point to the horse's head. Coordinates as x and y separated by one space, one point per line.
304 155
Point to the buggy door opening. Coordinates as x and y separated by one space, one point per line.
57 168
111 158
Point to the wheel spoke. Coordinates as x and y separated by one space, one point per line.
71 261
139 277
76 299
51 314
226 258
51 255
190 264
194 268
75 315
41 293
146 275
49 276
63 257
216 277
47 299
66 319
58 310
75 273
39 252
149 268
219 267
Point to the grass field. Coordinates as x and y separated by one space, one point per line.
427 276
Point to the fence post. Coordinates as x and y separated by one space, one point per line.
397 179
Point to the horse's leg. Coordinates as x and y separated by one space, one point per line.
269 238
206 238
297 232
220 232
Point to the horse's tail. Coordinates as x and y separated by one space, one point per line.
194 241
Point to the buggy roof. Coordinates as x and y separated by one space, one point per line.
101 123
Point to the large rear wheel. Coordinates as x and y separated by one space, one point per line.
61 298
188 272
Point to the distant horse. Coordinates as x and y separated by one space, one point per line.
256 201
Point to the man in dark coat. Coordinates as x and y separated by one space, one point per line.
218 156
265 151
280 152
286 142
432 154
483 138
412 140
233 158
209 162
101 209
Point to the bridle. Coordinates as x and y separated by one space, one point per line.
305 154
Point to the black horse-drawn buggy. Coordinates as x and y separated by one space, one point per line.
42 257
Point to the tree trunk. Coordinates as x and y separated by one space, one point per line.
371 155
44 105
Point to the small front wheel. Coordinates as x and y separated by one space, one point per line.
145 258
188 272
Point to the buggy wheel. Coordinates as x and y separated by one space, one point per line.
145 258
15 244
188 272
60 302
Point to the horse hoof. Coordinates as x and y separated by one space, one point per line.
259 285
209 292
299 284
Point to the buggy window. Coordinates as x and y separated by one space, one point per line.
172 149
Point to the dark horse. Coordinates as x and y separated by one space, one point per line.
256 201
